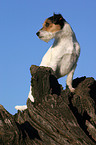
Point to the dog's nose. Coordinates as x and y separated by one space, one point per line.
38 33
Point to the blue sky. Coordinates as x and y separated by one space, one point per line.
20 47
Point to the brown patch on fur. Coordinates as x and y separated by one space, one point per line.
50 27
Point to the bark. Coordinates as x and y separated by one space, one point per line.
57 117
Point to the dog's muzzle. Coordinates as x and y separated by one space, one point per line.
38 33
44 35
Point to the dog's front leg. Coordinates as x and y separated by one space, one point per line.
70 78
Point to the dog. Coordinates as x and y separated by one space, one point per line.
62 56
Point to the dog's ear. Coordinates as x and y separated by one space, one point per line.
57 17
53 14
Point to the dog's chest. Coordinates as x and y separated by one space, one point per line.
62 56
55 54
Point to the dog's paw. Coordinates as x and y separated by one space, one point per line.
21 108
72 90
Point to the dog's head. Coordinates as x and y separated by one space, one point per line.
51 27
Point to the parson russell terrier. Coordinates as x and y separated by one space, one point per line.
62 56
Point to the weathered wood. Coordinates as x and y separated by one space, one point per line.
57 117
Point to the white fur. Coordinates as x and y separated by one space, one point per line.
21 108
62 56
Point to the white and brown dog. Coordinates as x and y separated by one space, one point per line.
62 56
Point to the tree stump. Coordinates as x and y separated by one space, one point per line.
57 117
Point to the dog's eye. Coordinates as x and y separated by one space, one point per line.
47 24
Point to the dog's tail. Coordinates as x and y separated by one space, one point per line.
21 108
